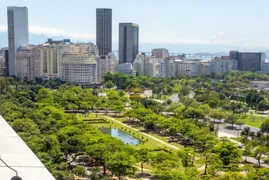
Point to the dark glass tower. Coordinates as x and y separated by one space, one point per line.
104 31
128 42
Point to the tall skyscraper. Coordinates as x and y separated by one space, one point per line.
104 31
128 42
18 34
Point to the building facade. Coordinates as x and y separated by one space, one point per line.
23 63
50 58
84 48
128 42
126 68
146 65
166 69
188 68
160 53
104 31
203 68
248 61
6 63
78 69
18 34
106 64
222 65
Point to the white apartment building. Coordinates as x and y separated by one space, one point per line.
146 65
84 48
160 53
73 63
166 69
126 68
35 62
106 64
222 65
78 69
23 62
50 58
203 68
188 68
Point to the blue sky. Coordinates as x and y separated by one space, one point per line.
235 23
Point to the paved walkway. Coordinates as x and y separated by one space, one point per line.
145 134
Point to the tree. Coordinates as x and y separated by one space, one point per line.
232 119
79 171
173 175
265 126
142 157
45 96
212 162
232 176
258 152
228 152
194 113
121 163
187 156
263 106
99 153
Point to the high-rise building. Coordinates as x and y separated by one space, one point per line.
18 34
128 42
248 61
189 68
126 68
106 64
6 63
166 69
23 62
104 31
78 69
146 65
50 60
160 53
222 65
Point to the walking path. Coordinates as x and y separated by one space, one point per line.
249 159
145 134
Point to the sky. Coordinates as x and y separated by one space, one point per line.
241 24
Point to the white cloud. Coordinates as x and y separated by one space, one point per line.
48 31
3 28
221 33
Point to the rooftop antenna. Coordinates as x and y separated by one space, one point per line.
15 177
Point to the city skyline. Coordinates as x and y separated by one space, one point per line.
169 24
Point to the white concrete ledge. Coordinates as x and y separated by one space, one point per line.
19 156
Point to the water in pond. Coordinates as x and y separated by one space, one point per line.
117 133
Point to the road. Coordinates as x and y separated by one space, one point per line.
226 131
145 134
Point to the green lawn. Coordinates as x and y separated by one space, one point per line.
149 143
254 120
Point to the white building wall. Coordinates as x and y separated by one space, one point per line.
79 69
106 64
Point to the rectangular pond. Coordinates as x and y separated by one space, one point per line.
117 133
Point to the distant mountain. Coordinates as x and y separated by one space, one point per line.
202 49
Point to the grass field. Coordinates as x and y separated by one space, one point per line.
148 142
254 120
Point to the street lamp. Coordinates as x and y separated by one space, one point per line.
15 177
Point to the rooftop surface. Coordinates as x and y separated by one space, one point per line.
19 156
